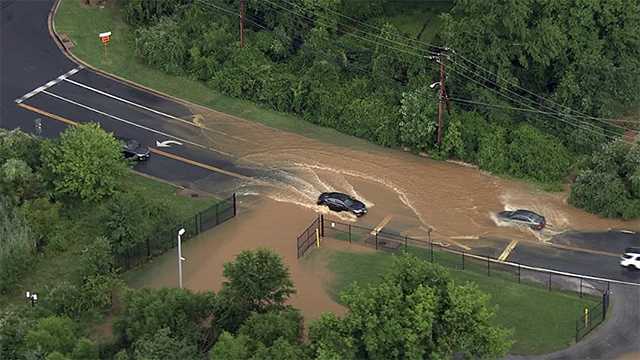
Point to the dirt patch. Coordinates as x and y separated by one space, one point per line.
261 222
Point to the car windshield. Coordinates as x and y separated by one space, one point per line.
348 202
132 144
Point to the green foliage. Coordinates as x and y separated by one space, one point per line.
492 151
15 322
609 183
183 313
537 156
162 346
52 334
84 163
85 349
16 144
142 12
268 327
43 217
453 144
418 114
162 46
473 127
257 281
17 246
230 347
127 221
584 54
18 181
415 312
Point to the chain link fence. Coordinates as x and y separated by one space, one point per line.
435 252
166 239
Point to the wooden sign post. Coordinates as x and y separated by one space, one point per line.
105 37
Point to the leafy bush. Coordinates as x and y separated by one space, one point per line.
492 150
537 156
17 246
609 183
472 128
418 118
162 46
142 12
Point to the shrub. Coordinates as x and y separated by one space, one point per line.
537 156
492 150
162 46
17 246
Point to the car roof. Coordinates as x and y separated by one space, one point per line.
339 195
527 213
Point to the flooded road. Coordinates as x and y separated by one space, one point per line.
455 200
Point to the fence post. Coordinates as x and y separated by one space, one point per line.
518 273
580 287
488 267
234 204
349 233
405 243
549 281
577 331
376 240
605 303
322 226
148 248
463 260
431 247
217 218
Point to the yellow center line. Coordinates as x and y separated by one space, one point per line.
153 150
508 250
382 224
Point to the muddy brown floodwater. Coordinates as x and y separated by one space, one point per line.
457 201
453 199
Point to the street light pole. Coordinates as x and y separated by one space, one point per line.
180 233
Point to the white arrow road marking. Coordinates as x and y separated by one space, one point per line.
167 143
134 124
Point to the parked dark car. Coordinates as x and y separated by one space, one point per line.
342 202
131 149
524 217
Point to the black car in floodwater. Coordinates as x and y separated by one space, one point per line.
342 202
132 149
523 217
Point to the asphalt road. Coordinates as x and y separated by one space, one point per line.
31 59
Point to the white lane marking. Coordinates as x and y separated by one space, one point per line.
132 123
49 84
148 108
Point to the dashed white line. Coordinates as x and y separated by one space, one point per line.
147 108
132 123
49 84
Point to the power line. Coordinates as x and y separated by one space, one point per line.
554 112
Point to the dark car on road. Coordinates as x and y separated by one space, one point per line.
523 217
132 149
342 202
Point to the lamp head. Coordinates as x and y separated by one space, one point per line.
181 232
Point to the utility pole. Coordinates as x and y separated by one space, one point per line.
442 99
241 23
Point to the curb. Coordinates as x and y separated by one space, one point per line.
54 34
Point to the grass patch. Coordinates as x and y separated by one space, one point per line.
543 321
83 24
80 225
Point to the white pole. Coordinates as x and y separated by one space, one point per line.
180 257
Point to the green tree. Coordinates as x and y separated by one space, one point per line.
85 163
273 325
51 334
127 221
16 144
185 314
15 322
230 347
257 281
414 313
18 181
492 150
43 217
584 54
162 346
85 349
418 114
